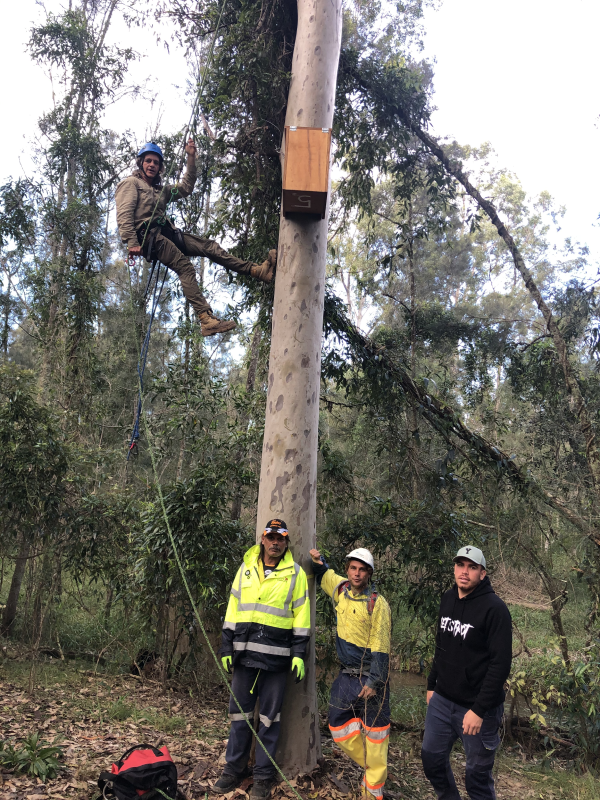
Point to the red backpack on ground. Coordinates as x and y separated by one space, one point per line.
142 772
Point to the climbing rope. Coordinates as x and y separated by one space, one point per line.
158 287
177 159
141 417
165 514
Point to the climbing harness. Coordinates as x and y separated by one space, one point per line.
371 599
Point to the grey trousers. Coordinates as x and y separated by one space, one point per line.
170 255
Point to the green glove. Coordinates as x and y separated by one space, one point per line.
298 665
226 661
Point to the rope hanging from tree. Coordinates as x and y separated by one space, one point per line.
139 417
156 294
177 159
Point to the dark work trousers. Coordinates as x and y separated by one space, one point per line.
443 726
344 705
269 687
172 257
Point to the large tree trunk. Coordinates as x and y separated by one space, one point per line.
289 460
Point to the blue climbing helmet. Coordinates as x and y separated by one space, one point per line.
150 147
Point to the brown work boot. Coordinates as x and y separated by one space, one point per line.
211 325
265 271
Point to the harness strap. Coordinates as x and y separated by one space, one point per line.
343 587
147 236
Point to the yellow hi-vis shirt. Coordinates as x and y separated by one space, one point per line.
362 638
267 622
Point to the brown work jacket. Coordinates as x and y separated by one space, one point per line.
137 202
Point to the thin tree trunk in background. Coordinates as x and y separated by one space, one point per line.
47 582
557 594
108 604
43 585
289 460
12 601
186 371
236 503
413 415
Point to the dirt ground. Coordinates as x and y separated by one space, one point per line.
97 717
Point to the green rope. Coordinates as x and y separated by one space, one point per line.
190 126
182 571
178 560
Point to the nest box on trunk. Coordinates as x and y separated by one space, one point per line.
306 170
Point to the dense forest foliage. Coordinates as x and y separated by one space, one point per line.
460 387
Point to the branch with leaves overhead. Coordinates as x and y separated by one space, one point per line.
388 97
572 384
376 362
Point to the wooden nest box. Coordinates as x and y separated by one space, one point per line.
306 170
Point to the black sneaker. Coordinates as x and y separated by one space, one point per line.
227 783
261 789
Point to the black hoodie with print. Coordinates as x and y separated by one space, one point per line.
473 649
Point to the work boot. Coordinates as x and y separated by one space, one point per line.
265 271
227 783
211 325
261 789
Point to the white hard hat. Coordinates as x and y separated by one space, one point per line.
362 554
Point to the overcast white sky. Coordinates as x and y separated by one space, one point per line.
523 75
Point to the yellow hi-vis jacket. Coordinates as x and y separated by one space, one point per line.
363 634
268 619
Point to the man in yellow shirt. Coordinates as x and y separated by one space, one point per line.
359 705
265 632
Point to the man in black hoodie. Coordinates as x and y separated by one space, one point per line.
465 688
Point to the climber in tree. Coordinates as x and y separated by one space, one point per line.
143 226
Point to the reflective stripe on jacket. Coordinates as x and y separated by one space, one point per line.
137 201
362 639
267 622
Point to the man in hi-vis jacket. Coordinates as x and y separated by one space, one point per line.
266 631
359 704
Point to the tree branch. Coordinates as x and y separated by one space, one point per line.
573 388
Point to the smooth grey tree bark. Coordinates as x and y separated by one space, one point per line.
289 458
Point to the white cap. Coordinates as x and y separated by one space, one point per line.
472 553
362 554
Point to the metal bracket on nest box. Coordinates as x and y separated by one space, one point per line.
306 170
